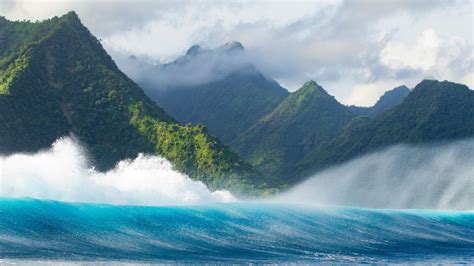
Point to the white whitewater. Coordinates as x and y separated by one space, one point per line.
62 173
432 177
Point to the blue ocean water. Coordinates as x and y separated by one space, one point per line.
50 231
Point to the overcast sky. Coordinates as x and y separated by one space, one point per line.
354 49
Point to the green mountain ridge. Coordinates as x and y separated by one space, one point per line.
304 120
56 80
433 112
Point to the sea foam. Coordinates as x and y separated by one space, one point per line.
63 173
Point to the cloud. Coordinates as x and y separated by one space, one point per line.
432 55
7 4
198 66
421 55
104 18
344 45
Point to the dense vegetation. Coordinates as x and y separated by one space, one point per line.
389 100
227 106
433 111
270 128
56 80
302 122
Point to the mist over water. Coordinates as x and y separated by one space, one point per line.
278 231
62 173
243 232
432 176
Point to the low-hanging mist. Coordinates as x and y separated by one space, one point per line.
62 173
195 68
435 177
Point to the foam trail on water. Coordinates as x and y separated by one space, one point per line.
62 173
403 176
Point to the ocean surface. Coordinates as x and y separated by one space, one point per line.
52 231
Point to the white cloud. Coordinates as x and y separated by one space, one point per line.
191 70
209 23
422 54
344 45
433 55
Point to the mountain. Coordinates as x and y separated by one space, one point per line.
389 100
56 80
434 111
303 121
219 88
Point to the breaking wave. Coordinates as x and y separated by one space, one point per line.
282 231
62 173
230 233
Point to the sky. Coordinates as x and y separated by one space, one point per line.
355 49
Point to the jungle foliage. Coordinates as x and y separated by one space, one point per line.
57 80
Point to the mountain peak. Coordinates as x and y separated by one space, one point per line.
428 82
395 95
435 84
401 88
311 87
194 50
310 83
304 120
233 46
71 15
435 88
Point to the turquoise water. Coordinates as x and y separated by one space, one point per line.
240 232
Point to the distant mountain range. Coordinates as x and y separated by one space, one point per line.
231 100
57 80
433 111
286 135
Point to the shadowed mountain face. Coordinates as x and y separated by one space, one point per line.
57 80
220 88
389 100
303 121
433 111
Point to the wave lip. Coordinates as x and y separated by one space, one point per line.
237 232
63 173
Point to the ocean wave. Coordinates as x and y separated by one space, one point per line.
232 232
63 173
403 176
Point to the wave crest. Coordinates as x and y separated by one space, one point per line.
62 173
